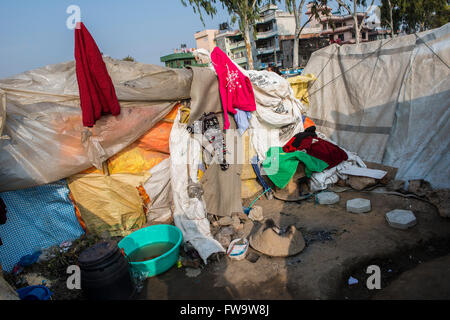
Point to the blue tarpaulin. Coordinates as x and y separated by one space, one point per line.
37 218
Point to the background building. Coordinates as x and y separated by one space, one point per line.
232 43
323 31
273 42
272 25
205 39
180 58
340 27
309 42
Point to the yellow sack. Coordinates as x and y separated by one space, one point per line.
249 183
109 204
134 160
300 86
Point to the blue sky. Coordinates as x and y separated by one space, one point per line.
34 33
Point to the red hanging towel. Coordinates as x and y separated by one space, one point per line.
97 93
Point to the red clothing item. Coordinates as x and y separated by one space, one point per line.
235 88
321 149
97 93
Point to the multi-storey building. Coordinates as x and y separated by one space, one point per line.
205 39
233 44
341 27
327 29
180 58
270 27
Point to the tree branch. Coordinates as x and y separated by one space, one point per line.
346 7
301 29
365 15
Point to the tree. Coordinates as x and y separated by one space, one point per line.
245 11
387 15
206 5
128 58
318 6
347 5
416 15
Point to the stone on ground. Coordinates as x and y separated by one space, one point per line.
235 222
256 213
419 187
358 205
225 221
401 219
242 216
360 183
192 273
246 229
327 198
224 236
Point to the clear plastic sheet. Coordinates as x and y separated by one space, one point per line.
43 136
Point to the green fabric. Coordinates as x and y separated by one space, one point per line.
280 166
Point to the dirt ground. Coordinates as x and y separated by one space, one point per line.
338 245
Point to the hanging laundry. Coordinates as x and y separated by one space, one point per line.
319 148
280 166
242 118
209 126
235 88
97 93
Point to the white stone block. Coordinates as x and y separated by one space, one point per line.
327 198
401 219
358 205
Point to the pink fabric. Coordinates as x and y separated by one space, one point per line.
235 88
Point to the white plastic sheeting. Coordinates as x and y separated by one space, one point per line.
159 189
189 213
388 101
322 180
278 115
43 136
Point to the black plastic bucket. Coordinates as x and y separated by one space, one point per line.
104 273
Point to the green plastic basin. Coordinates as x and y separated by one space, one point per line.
150 235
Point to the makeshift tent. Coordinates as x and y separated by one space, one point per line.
46 141
45 138
388 101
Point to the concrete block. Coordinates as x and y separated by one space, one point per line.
327 198
358 205
401 219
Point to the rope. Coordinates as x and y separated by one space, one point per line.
442 60
362 60
437 55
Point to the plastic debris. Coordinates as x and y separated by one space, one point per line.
352 281
237 249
